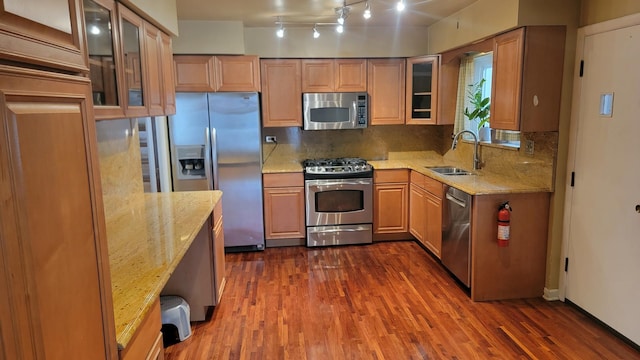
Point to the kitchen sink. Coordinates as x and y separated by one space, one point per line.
449 170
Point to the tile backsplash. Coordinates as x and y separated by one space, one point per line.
372 143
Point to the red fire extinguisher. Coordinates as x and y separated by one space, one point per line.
504 217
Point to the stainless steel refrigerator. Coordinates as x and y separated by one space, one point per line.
216 144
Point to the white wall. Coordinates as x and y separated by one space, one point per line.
354 42
162 13
210 37
231 37
478 20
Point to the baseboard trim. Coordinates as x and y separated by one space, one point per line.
551 294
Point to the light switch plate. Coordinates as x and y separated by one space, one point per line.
528 147
270 139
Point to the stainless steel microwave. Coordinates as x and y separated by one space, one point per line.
328 111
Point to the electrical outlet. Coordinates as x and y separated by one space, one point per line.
528 147
270 139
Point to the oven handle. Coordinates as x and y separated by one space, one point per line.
325 230
326 183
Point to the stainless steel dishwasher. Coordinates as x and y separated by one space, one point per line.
456 234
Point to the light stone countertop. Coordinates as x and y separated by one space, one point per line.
148 234
480 183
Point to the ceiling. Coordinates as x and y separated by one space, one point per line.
264 13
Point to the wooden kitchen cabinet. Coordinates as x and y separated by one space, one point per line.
194 73
520 267
527 79
284 215
386 88
54 266
133 36
152 78
44 33
105 58
281 93
218 253
144 344
334 75
206 73
417 212
422 90
237 73
168 78
425 214
391 204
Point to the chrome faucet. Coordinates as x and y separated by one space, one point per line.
476 159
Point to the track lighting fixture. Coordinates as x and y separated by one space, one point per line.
367 10
341 14
280 31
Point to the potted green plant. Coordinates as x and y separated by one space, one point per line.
480 110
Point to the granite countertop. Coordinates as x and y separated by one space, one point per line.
148 234
480 183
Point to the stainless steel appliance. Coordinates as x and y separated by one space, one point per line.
327 111
456 234
216 144
339 200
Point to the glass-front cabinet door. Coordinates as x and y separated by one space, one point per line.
131 26
422 87
104 63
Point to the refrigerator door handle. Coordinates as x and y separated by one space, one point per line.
207 159
214 158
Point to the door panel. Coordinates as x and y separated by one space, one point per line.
603 246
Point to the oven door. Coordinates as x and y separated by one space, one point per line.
339 201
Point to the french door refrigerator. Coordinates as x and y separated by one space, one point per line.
216 145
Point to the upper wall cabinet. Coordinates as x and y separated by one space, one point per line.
105 61
132 32
131 63
281 93
205 73
422 90
334 75
168 76
527 79
194 73
46 33
237 73
386 90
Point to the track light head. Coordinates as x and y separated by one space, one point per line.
367 11
400 6
339 28
316 33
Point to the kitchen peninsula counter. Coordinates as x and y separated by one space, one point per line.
148 235
480 183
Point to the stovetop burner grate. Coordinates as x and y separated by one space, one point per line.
338 168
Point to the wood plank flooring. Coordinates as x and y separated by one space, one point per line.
387 300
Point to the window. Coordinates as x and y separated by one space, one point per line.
473 68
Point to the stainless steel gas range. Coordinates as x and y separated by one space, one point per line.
339 201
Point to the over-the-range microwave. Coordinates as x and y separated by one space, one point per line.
328 111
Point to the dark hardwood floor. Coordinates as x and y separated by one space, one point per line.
388 300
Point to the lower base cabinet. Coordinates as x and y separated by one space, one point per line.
284 218
391 204
425 211
147 341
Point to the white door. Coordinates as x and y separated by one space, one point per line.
603 243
